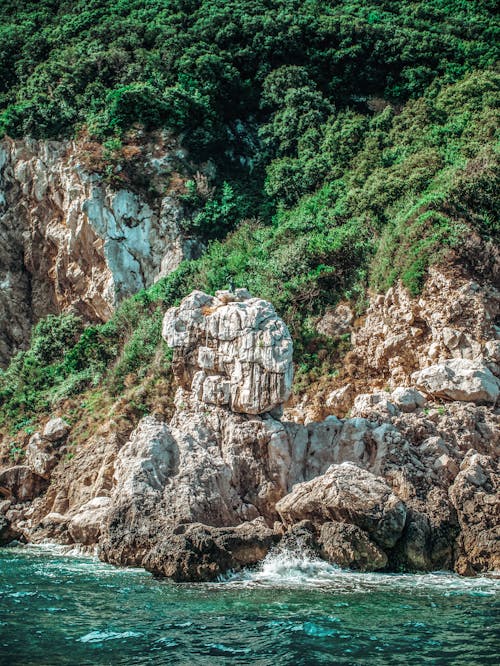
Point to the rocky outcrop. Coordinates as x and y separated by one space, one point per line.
403 483
70 240
475 494
448 332
347 494
232 350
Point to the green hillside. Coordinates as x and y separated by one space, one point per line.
356 143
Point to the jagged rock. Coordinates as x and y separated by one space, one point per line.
350 547
475 494
199 552
459 379
348 494
7 532
69 240
40 456
231 349
21 483
88 524
55 430
401 334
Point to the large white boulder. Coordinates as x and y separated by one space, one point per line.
458 379
231 349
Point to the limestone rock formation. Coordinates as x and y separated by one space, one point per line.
454 318
69 240
403 483
231 349
475 494
459 379
348 494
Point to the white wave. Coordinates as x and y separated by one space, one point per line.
290 568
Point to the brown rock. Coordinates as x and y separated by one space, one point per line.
350 547
348 494
21 483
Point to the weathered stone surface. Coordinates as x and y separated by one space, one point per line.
199 552
68 240
475 494
459 379
21 483
89 523
368 403
407 399
231 349
56 429
40 455
348 494
350 547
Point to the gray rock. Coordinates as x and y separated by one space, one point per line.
55 430
459 379
348 494
242 349
407 399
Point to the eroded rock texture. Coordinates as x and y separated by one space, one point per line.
403 482
231 349
69 240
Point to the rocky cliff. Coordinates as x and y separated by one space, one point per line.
76 236
404 481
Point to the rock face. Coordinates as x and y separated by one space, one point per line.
450 327
21 483
475 494
68 240
232 350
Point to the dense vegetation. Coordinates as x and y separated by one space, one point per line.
360 136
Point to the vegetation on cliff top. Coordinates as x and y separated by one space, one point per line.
364 136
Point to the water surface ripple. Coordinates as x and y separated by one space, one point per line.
292 610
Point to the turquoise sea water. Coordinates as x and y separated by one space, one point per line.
63 609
